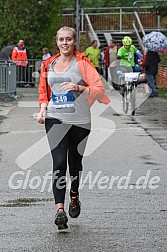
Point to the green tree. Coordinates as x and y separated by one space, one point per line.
106 3
160 9
34 21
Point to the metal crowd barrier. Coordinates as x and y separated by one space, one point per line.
7 77
18 74
28 74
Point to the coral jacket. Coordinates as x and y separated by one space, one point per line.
19 56
89 74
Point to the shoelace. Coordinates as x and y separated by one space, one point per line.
74 200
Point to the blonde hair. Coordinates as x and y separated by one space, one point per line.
69 29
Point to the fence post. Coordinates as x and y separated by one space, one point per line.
82 20
158 22
11 77
77 20
120 20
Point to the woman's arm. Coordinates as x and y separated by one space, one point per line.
44 94
43 89
93 81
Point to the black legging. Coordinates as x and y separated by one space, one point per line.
63 139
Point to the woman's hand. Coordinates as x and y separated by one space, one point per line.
69 86
41 116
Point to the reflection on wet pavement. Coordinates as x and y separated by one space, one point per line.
152 116
2 117
23 202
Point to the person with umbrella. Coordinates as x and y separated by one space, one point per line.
154 42
151 68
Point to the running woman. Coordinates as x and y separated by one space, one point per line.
69 85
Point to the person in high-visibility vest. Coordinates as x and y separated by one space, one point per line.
93 53
20 57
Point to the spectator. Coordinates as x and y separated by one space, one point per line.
101 60
93 53
46 53
20 56
151 67
110 56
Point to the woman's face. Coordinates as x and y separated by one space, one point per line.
66 42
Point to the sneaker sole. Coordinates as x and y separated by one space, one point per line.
60 221
62 227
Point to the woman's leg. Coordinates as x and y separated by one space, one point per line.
76 136
77 143
58 140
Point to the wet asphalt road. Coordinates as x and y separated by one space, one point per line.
113 219
152 116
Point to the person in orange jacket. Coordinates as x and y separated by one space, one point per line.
69 85
20 57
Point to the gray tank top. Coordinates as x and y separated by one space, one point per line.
68 107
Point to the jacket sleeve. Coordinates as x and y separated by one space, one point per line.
147 61
106 56
14 54
143 62
43 89
93 81
87 52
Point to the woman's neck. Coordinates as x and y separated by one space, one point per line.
68 58
63 62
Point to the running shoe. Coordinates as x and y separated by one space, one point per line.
61 219
74 207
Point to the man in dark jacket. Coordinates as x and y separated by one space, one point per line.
151 68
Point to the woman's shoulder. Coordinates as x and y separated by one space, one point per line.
50 59
81 56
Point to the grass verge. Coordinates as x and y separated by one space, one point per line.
162 93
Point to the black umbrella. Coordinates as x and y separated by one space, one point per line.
6 52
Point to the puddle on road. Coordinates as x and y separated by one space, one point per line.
4 132
2 117
147 160
151 163
131 123
24 202
145 157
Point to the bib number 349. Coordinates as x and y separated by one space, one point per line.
63 99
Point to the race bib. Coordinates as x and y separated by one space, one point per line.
62 99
